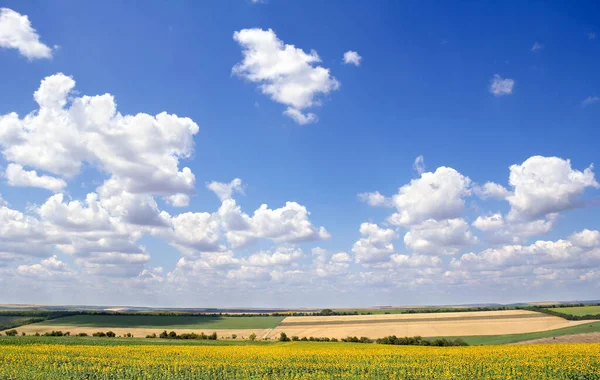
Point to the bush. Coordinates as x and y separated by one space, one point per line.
11 332
163 335
295 338
252 337
82 334
233 336
110 334
99 334
153 335
419 341
172 335
212 336
304 339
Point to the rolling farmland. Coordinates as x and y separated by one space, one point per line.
579 310
427 325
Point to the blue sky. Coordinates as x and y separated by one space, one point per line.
421 88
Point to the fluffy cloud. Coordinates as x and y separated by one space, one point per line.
352 58
501 86
225 190
285 73
544 185
16 32
438 195
288 224
376 245
491 190
50 268
141 152
375 199
434 237
418 261
17 176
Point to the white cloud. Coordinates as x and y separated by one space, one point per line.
288 224
225 190
51 267
416 260
375 199
491 190
536 47
285 73
544 185
300 117
376 245
438 195
141 152
352 58
501 86
590 100
17 176
178 200
16 32
327 265
195 232
489 223
434 237
586 238
419 165
283 256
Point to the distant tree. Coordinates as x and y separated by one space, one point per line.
82 334
295 338
304 339
252 336
213 336
283 337
326 312
172 335
23 333
163 335
233 336
11 332
110 334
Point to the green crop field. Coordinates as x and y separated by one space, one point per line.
579 310
166 321
7 321
514 338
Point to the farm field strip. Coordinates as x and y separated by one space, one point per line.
164 322
578 310
408 320
429 328
444 315
298 360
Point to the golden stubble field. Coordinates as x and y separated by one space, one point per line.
426 324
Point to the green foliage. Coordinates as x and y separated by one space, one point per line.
11 332
283 337
252 337
419 341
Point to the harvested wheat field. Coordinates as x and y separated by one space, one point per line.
426 325
137 331
573 338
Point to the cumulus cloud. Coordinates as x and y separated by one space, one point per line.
375 199
352 58
50 268
491 190
501 86
226 190
438 195
544 185
376 244
444 237
284 72
140 152
17 176
16 32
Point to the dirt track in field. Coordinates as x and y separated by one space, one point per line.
137 332
427 324
574 338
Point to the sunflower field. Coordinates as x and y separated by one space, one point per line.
298 360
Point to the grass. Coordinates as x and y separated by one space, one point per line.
579 310
514 338
166 322
9 322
